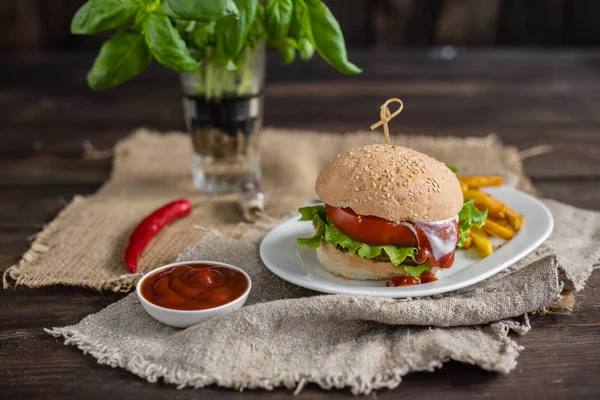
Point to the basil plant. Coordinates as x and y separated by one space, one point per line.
193 35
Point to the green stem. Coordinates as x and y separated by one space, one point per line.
215 82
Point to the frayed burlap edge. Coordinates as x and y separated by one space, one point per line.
13 277
358 384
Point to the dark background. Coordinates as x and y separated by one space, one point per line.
44 24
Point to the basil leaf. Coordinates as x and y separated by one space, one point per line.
306 49
98 16
199 10
453 168
325 34
288 50
416 270
141 16
121 58
278 16
232 32
203 33
166 44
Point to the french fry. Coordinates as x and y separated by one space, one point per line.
477 181
482 200
502 221
468 243
515 219
496 208
500 216
495 229
481 241
464 186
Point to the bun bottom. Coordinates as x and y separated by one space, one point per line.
352 266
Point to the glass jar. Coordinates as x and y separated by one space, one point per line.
223 111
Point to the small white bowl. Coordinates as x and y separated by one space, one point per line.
186 318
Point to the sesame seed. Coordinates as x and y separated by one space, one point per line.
356 189
385 202
357 176
412 199
356 200
366 168
416 215
369 198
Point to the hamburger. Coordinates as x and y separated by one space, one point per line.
389 211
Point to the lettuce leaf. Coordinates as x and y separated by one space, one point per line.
328 232
469 216
310 212
416 270
397 255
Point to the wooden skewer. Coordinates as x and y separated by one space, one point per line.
386 117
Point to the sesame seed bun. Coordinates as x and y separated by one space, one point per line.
352 266
391 182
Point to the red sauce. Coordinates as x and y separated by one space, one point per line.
402 281
194 286
428 276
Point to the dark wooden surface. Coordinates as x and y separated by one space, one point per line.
44 24
527 98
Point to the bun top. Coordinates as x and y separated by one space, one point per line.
391 182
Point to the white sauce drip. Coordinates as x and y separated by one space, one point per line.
439 246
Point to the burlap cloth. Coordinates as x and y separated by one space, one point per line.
286 335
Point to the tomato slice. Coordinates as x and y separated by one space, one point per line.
371 230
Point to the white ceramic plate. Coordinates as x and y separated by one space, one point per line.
299 265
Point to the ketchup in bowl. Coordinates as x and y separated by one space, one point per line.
194 286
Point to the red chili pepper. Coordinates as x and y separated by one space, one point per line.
150 227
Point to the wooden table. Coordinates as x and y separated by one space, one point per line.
527 98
